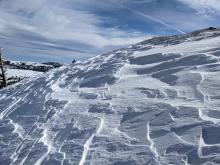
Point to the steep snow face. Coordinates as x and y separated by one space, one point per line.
156 102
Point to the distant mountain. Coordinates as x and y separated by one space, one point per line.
40 67
155 102
18 70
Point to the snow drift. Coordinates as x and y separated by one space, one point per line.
156 102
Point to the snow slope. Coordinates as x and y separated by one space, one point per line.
22 73
156 102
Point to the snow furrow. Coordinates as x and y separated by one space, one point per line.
89 142
155 102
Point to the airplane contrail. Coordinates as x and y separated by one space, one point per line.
153 19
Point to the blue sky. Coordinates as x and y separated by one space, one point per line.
60 30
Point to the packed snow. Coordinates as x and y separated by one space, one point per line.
156 103
22 73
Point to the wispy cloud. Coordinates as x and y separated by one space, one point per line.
58 26
63 29
203 6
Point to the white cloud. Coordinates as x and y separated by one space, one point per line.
203 6
60 21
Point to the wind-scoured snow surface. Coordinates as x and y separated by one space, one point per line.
156 102
22 73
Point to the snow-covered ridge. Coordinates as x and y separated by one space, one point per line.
18 70
30 63
35 66
156 102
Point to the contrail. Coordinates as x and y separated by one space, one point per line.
153 19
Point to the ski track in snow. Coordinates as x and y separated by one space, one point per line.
156 102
